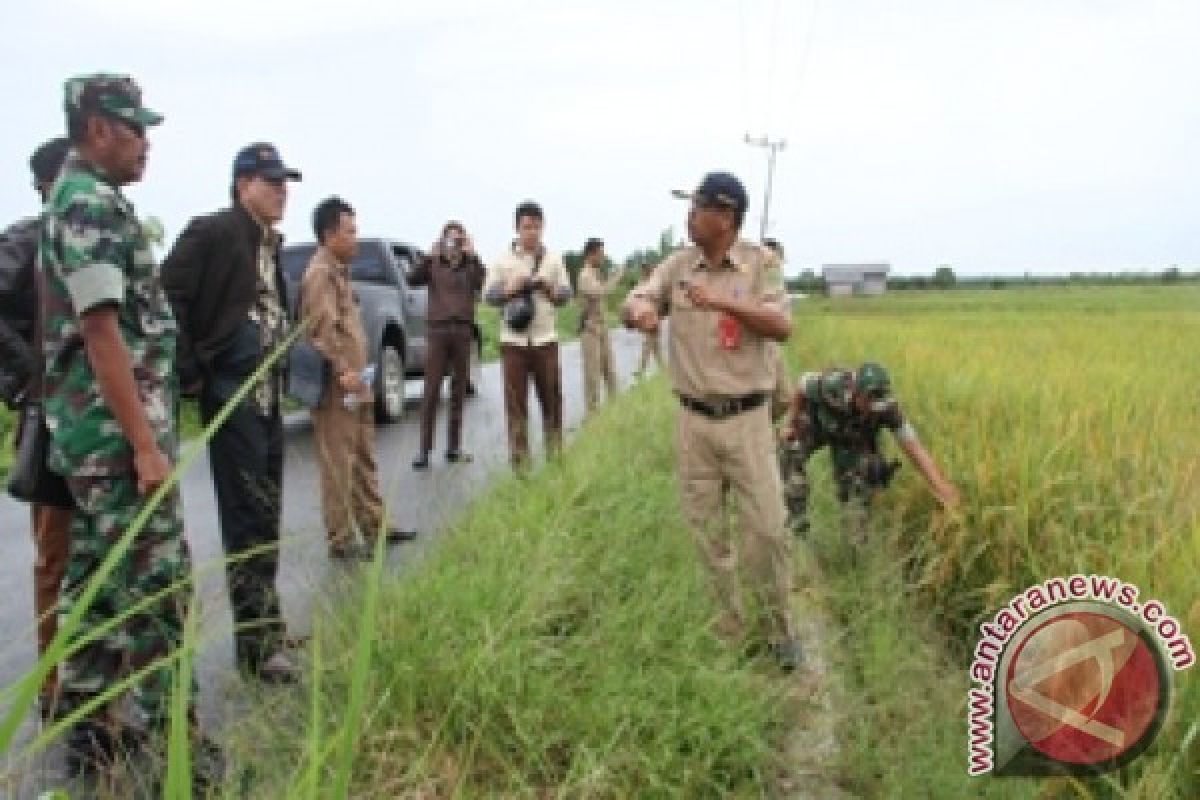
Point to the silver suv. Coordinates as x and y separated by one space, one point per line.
393 315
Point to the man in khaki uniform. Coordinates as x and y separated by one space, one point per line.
343 424
781 394
593 325
727 303
651 346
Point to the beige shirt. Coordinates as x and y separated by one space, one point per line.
700 367
327 302
542 330
593 290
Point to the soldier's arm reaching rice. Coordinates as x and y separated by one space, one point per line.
919 457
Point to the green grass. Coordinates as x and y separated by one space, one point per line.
554 642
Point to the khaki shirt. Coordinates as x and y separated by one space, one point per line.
700 367
542 330
327 302
593 290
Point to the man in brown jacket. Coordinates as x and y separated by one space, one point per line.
454 275
343 426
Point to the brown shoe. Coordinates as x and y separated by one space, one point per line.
347 552
279 670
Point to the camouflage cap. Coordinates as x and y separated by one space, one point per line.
873 380
110 94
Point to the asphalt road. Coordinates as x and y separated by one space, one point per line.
425 501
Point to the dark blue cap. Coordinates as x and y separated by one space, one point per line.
262 159
721 188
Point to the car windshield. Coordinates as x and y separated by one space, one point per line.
295 259
368 265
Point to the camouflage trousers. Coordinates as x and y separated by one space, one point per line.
854 490
155 568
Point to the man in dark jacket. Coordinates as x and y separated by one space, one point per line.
454 275
19 360
226 287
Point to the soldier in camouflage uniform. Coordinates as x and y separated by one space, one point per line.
110 396
845 410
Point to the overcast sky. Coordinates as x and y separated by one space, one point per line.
1043 136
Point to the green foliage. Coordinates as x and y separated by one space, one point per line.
553 642
943 278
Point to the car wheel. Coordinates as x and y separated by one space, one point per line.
389 385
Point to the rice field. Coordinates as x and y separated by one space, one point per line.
1069 419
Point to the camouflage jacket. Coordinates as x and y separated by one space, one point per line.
94 253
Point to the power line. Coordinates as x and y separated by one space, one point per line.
772 63
802 64
773 147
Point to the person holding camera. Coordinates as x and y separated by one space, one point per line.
529 284
454 275
846 409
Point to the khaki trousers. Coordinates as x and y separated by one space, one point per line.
733 459
650 347
51 541
597 365
349 480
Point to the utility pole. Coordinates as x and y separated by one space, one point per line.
773 147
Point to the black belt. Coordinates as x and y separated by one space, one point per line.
726 407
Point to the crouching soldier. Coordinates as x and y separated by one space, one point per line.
845 410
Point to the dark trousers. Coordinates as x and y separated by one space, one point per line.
246 457
449 352
522 363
